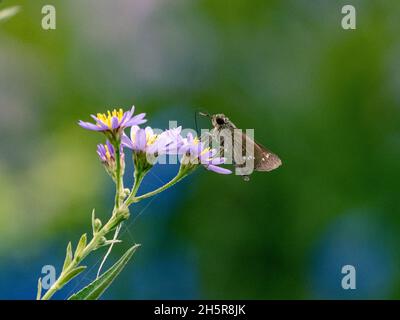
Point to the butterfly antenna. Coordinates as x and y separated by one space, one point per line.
196 113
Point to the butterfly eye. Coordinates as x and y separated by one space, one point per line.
220 121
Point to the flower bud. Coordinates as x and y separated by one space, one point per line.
97 224
102 241
107 157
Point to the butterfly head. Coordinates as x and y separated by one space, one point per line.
219 120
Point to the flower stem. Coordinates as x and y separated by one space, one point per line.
138 180
139 175
114 221
169 184
119 181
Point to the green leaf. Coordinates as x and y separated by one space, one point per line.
72 274
39 289
94 290
68 256
81 246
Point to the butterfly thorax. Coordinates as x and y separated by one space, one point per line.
220 122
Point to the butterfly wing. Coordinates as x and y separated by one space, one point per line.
265 160
244 152
246 148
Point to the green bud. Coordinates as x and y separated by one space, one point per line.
97 224
142 166
102 241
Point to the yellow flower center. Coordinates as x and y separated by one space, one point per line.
196 142
205 151
151 138
107 118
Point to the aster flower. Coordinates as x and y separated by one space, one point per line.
106 153
174 139
147 145
147 141
194 153
114 122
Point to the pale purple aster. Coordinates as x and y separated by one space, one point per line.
195 152
174 140
114 121
145 140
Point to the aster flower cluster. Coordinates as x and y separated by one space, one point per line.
147 146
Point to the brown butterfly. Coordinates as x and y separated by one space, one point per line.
244 151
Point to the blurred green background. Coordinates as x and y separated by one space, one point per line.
325 99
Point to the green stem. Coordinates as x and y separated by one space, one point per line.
116 219
177 178
138 180
119 181
120 214
91 246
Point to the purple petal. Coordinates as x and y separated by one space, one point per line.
218 169
110 148
213 153
141 140
161 145
126 142
218 161
134 130
190 138
193 150
124 118
136 120
89 126
204 158
155 147
198 149
101 151
173 148
114 122
149 131
99 122
183 149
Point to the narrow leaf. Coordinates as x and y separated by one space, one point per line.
72 274
39 289
81 245
95 289
68 256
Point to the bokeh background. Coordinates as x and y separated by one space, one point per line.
325 99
